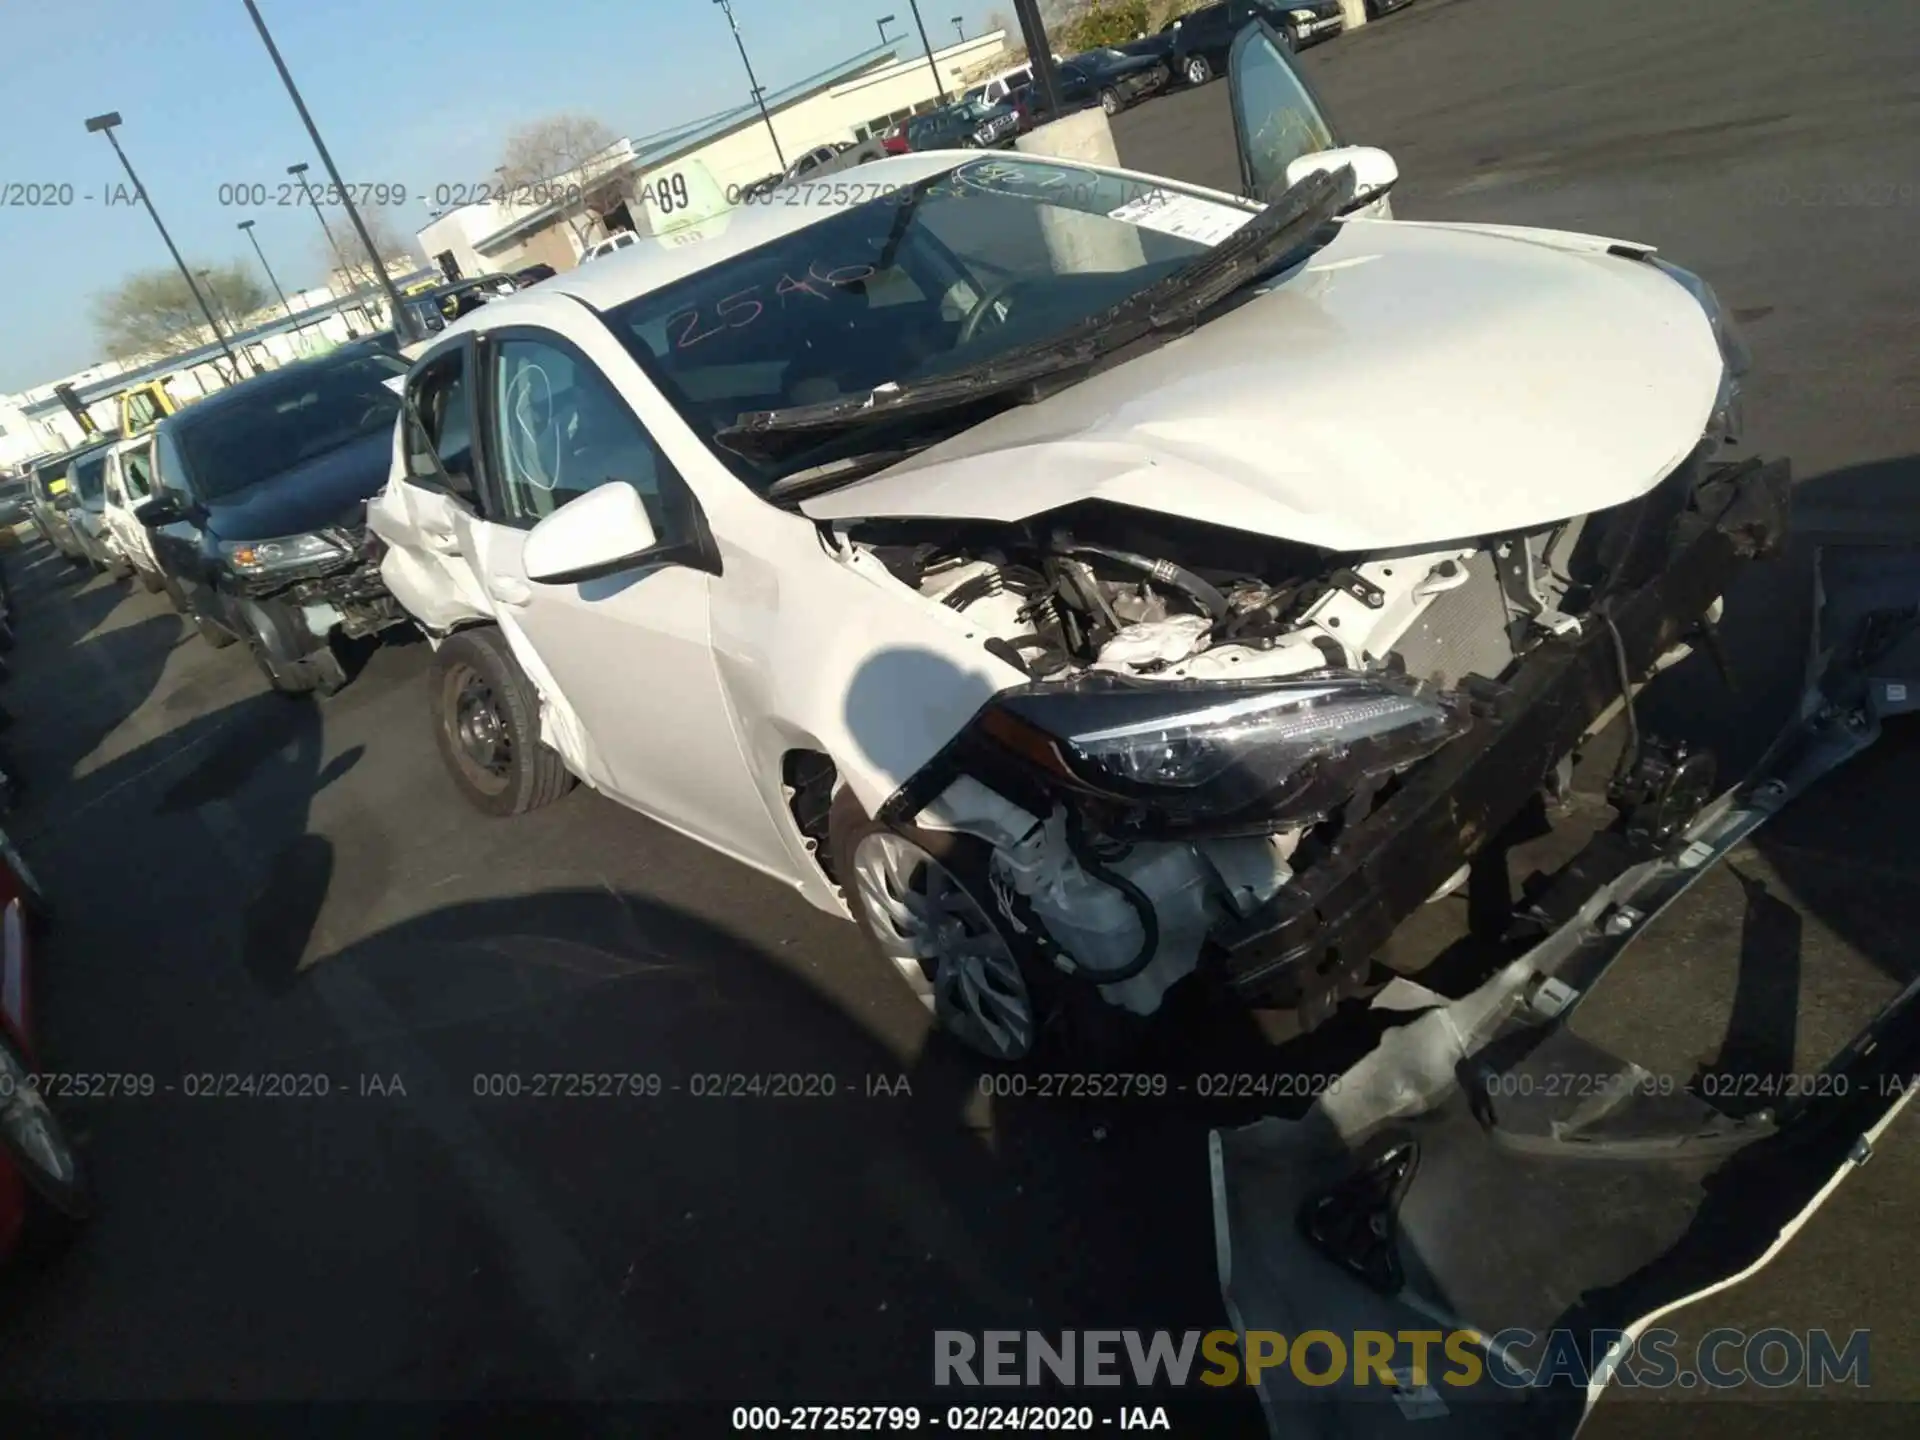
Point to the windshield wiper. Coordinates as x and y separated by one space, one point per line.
1293 226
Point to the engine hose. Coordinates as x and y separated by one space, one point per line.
1142 907
1165 571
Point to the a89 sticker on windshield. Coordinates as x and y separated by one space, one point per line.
1188 216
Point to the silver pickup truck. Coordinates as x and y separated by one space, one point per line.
819 161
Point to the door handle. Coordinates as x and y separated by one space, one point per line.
510 590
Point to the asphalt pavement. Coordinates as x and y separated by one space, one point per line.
247 886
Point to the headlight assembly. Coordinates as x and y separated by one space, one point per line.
290 552
1285 750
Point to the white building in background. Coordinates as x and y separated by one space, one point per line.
862 97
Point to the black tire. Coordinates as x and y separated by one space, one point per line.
270 630
1111 102
1070 1020
1196 70
486 721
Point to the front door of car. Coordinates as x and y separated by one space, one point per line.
1281 129
630 655
177 544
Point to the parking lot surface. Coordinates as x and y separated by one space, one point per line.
251 887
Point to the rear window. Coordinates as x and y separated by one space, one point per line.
90 475
266 427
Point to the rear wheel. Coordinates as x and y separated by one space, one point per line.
1198 71
486 721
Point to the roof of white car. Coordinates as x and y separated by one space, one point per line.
654 261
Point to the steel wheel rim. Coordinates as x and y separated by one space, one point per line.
30 1128
945 944
481 738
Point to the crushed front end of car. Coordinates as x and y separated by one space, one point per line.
1251 756
333 583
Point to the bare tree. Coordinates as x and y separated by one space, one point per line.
153 312
351 270
552 161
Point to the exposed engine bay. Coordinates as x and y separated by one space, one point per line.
1209 710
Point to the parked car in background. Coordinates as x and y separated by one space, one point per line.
88 517
1002 87
968 125
14 493
1377 8
258 519
533 275
51 499
619 240
129 486
1196 44
1109 78
42 1192
426 314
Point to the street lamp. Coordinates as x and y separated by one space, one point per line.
960 24
326 159
883 22
247 225
103 125
927 45
759 95
299 172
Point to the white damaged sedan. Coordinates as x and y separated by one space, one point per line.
1077 578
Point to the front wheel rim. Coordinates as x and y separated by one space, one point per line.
1110 103
949 949
1196 72
482 739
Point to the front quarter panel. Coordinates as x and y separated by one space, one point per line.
828 652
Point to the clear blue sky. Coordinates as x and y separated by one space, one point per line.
415 92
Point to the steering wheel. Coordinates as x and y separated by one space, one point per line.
982 308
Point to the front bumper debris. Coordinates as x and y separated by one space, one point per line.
1671 565
1457 1181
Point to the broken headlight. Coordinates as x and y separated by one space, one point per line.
1735 358
1289 750
289 552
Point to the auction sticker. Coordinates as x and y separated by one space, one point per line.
1187 216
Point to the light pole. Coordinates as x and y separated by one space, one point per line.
247 225
103 125
960 24
299 172
1033 30
883 22
927 45
759 95
326 159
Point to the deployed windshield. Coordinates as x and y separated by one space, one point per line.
269 425
996 254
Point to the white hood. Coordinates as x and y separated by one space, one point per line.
1414 384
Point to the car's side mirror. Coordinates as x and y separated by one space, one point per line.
159 510
602 533
1374 171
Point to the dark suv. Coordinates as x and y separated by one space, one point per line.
259 513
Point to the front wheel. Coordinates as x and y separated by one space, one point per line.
969 950
1110 101
1198 71
486 721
